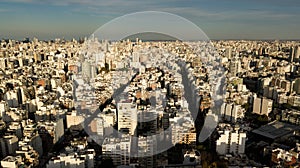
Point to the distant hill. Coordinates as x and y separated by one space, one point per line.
151 36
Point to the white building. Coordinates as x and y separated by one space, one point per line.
83 159
235 67
11 162
70 161
232 112
266 107
11 97
127 116
262 106
231 141
3 108
74 120
147 148
119 149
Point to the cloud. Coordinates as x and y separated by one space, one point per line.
19 1
251 14
220 17
188 10
120 7
4 10
102 3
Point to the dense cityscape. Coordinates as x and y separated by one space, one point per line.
93 103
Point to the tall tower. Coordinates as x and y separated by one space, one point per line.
86 69
257 105
292 54
127 116
297 54
235 67
228 53
135 57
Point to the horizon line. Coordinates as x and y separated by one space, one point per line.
213 39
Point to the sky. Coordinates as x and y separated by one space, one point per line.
219 19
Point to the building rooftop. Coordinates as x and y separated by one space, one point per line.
276 129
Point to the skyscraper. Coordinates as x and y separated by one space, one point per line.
256 105
228 52
297 54
262 106
231 141
292 54
86 69
235 67
266 106
127 116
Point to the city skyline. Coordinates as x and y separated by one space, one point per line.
134 103
161 83
230 19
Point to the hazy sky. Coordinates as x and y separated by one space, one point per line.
219 19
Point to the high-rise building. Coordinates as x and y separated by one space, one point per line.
231 141
74 120
125 149
296 86
86 69
183 135
3 107
67 161
127 116
262 106
228 111
16 129
228 53
11 162
256 105
237 112
97 129
2 63
93 71
146 151
55 128
147 124
9 145
266 107
232 112
29 154
119 149
292 54
235 67
297 54
135 57
21 96
11 98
